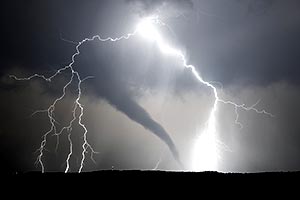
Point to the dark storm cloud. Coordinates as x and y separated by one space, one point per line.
233 45
259 6
234 41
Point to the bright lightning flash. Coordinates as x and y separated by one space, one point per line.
205 149
205 152
147 29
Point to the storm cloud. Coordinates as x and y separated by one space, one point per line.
251 47
166 8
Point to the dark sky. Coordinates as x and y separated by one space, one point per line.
252 47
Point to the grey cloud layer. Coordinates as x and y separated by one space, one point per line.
165 7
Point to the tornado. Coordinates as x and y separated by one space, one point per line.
127 104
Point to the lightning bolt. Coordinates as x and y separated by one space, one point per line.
158 163
205 150
206 144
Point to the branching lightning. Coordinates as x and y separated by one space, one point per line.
205 149
75 76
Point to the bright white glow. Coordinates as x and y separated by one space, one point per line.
205 152
205 149
147 29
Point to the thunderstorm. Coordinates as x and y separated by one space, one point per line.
205 149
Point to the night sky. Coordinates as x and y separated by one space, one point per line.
251 47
